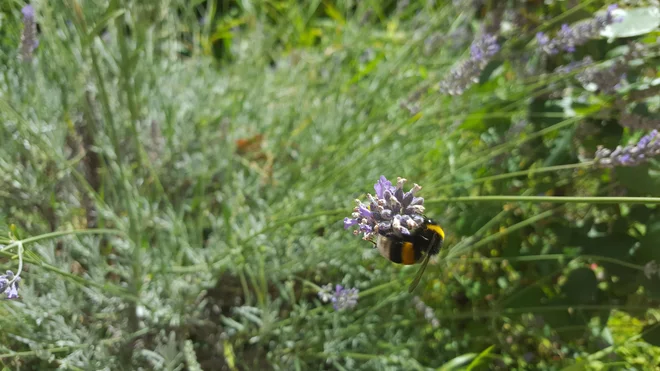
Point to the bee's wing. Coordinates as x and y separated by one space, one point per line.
422 268
420 272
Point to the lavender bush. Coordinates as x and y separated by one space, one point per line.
177 173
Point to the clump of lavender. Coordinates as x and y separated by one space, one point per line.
574 65
630 155
9 284
639 122
425 310
568 37
341 298
467 72
391 211
29 41
609 79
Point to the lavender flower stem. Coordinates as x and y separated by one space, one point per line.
550 199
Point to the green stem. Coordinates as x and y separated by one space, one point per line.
56 234
550 199
499 234
76 279
548 257
486 155
545 308
515 174
295 219
134 211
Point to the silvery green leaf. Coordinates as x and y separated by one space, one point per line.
633 22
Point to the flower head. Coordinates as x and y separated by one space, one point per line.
9 284
608 79
568 37
391 210
467 72
639 122
29 41
630 155
341 298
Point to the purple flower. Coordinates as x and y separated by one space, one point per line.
630 155
568 37
608 79
467 72
484 48
383 185
9 284
348 222
391 211
341 298
28 12
29 41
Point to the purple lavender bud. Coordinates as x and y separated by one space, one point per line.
384 227
574 65
349 222
12 293
364 211
382 185
568 37
631 155
29 41
28 11
638 122
466 73
9 284
324 293
341 298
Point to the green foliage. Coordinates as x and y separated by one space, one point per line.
174 176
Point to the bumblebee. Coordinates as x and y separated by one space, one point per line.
418 247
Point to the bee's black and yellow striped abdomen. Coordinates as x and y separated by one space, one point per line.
411 249
400 251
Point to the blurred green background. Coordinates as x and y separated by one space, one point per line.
174 175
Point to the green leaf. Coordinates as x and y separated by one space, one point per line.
529 297
578 366
651 334
634 22
648 249
457 362
651 285
638 180
480 358
581 286
103 22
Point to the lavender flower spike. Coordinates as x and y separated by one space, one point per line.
630 155
568 37
29 41
467 72
390 211
9 284
344 298
341 298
